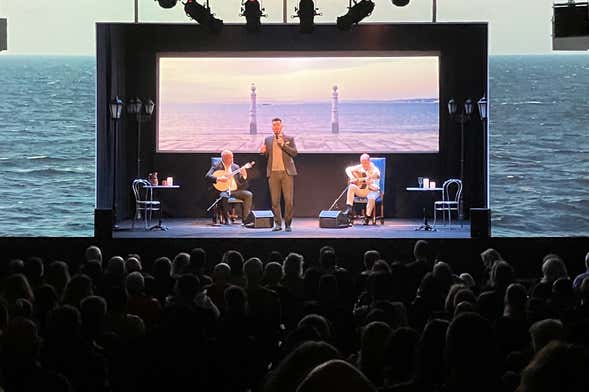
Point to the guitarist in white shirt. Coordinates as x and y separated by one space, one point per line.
363 182
220 177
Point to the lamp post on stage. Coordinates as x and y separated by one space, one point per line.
116 109
482 105
462 118
142 112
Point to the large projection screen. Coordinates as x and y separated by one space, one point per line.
340 102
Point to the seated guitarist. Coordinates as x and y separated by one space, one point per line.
363 182
229 186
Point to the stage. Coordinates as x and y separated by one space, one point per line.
302 228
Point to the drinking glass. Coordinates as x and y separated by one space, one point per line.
420 181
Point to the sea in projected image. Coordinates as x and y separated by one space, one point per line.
539 149
375 127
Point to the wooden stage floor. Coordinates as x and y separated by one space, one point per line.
302 228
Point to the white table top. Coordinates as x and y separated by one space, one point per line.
162 186
418 189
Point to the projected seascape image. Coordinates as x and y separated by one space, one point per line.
330 104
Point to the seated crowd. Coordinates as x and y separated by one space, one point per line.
290 324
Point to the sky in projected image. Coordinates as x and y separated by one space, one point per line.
385 104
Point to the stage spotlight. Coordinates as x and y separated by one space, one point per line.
167 3
400 3
306 13
252 11
355 14
202 14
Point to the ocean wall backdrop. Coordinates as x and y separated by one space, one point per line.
539 148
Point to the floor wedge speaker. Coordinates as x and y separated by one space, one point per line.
333 220
480 222
261 219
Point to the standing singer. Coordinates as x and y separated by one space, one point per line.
280 170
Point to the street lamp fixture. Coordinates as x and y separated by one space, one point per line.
142 113
116 109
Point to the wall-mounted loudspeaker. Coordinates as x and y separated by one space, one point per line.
480 222
333 220
262 219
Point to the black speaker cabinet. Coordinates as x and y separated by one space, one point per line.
333 220
103 223
262 219
480 222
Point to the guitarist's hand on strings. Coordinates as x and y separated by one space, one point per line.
222 179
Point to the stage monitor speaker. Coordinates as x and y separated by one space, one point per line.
102 223
333 220
261 219
480 222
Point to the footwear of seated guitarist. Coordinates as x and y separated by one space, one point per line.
229 180
363 182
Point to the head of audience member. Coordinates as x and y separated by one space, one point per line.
45 301
272 274
93 314
429 364
16 286
186 288
328 290
380 286
22 308
162 268
553 268
443 274
275 257
464 307
557 367
57 275
116 300
133 264
365 161
320 324
502 275
372 351
325 248
235 302
34 270
234 259
93 252
515 301
327 261
335 375
454 289
422 250
464 295
297 364
298 336
584 292
179 264
227 157
21 343
116 267
221 274
78 288
562 293
253 271
93 269
16 266
370 256
471 354
381 265
293 266
430 292
311 283
135 284
468 280
544 331
198 261
490 257
400 354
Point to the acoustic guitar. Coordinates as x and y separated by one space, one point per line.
229 184
361 179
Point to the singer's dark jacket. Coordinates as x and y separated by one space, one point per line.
290 151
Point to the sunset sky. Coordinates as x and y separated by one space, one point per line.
228 80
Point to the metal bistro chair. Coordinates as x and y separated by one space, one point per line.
232 201
144 202
381 164
451 192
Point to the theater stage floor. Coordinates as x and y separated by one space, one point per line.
302 228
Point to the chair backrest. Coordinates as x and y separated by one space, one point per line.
139 190
452 189
215 160
381 163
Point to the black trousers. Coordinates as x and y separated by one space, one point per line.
245 196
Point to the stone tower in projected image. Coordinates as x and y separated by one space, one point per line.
3 34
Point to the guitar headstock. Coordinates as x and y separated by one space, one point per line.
249 165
